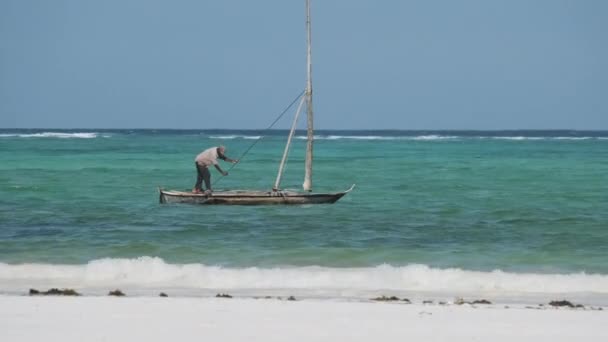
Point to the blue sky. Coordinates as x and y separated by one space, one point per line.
236 64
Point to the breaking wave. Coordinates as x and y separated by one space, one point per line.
379 137
229 137
81 135
421 137
435 137
153 272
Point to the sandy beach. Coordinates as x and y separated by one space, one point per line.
150 319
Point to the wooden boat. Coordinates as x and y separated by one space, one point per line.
276 195
251 197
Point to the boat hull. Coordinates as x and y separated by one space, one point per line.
245 197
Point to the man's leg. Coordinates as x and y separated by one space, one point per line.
199 178
207 177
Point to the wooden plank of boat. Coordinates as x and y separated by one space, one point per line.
249 197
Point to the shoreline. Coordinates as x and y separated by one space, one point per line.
147 276
25 318
538 301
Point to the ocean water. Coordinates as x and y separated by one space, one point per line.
507 214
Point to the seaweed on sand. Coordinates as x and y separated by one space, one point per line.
54 292
116 293
391 299
558 303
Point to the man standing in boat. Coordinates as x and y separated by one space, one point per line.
202 162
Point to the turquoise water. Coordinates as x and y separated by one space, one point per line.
520 202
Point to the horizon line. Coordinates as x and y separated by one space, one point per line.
319 129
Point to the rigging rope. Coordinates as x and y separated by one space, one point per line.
261 137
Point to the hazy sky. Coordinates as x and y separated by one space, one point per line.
398 64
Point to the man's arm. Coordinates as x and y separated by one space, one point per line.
224 173
225 158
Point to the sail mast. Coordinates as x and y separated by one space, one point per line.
310 132
277 183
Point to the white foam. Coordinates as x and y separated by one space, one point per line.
155 273
352 137
542 138
81 135
572 138
230 137
518 138
434 137
356 137
431 137
378 137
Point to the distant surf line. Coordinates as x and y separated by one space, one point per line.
60 135
260 135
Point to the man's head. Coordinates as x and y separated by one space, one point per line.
221 150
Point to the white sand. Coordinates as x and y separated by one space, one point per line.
213 319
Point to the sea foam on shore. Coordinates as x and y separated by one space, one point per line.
146 275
